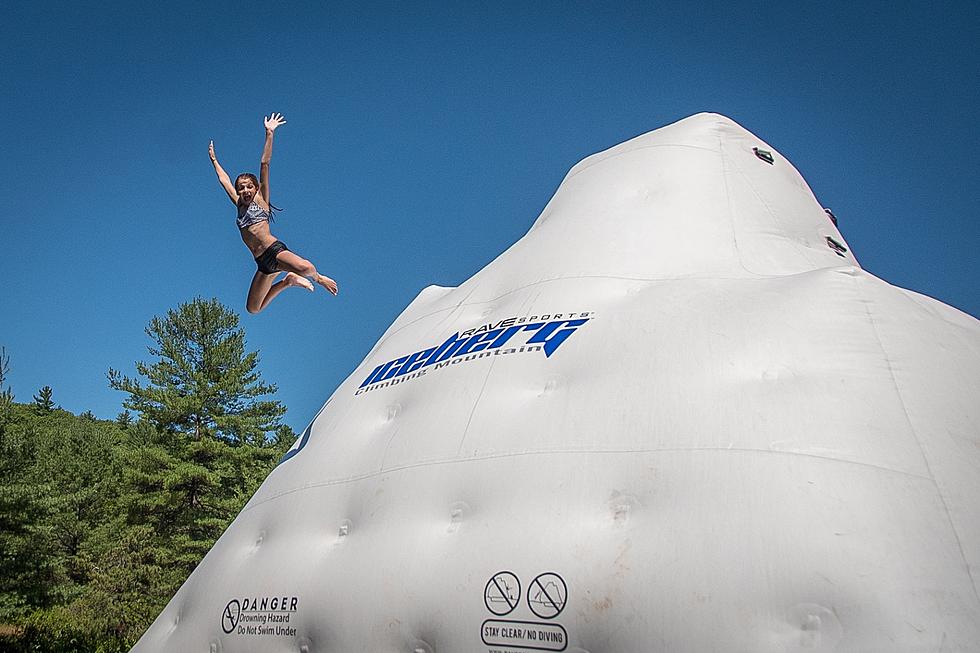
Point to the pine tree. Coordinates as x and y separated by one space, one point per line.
42 401
6 395
23 572
124 419
205 439
29 568
59 503
204 383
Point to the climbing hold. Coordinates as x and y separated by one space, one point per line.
834 245
765 155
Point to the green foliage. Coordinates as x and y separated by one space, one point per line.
203 384
42 401
188 491
101 521
124 419
6 395
28 566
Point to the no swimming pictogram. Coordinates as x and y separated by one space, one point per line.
503 593
229 618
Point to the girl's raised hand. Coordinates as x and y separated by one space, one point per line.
273 121
211 151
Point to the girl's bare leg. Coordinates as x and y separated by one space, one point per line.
262 291
299 265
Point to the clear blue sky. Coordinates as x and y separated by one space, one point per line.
422 140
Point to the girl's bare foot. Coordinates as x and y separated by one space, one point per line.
293 279
327 283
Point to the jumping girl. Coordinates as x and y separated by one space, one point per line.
251 196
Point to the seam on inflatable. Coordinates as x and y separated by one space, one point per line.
476 403
548 452
918 442
803 251
755 277
384 454
728 204
575 171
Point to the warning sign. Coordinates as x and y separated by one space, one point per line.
503 593
524 634
260 616
546 595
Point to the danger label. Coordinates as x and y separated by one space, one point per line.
524 635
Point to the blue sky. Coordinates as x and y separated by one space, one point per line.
422 140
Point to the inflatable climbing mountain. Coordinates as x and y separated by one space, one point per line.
676 415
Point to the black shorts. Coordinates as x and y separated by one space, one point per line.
267 260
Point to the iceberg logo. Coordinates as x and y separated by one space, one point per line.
532 334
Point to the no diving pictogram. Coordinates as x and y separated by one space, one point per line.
546 595
503 593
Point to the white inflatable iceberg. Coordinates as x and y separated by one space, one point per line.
676 415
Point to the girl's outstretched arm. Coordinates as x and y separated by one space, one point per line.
223 177
271 122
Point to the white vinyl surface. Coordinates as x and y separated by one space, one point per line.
674 417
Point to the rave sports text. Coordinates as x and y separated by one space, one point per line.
487 340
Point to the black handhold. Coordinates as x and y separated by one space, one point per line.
765 155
